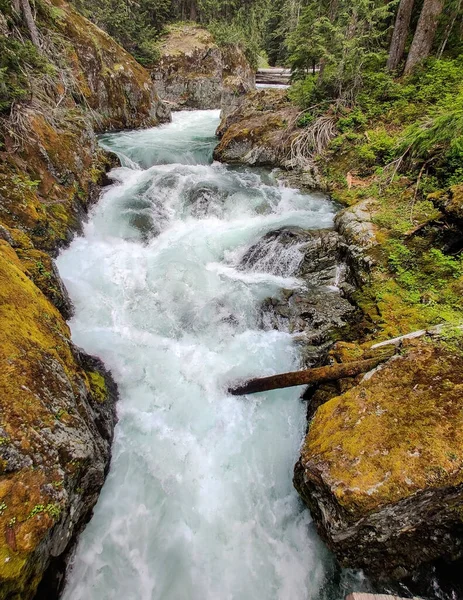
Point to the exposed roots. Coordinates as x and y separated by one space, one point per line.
313 140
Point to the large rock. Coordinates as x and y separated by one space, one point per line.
259 131
194 72
382 465
316 310
57 410
57 405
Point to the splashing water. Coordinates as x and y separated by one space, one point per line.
199 503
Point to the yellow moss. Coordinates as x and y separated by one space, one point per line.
32 333
97 386
394 434
11 565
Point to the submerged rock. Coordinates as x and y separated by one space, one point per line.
194 72
382 465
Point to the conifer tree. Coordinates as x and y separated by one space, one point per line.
424 34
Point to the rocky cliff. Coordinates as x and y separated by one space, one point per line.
194 72
57 405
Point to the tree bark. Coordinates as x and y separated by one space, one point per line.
399 35
33 31
424 34
193 11
318 375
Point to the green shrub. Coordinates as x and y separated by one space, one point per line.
353 120
303 91
15 59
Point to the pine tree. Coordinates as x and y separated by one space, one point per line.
400 33
424 34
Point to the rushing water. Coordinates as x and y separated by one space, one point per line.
199 502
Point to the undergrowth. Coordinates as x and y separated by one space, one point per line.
400 146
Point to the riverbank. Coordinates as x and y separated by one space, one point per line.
57 404
362 475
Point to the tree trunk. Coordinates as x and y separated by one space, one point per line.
424 34
193 11
33 31
399 35
318 375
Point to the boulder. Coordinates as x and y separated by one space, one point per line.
382 464
259 131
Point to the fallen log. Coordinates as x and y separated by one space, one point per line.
317 375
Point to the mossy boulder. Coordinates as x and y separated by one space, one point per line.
55 431
382 465
450 202
259 131
194 72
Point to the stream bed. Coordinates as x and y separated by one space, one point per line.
199 502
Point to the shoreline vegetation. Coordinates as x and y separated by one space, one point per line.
374 117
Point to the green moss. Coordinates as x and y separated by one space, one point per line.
394 434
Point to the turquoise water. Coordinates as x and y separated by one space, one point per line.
199 502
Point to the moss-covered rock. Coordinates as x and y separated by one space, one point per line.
194 72
55 433
259 131
382 465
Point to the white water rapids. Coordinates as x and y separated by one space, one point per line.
199 502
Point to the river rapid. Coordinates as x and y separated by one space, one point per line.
199 502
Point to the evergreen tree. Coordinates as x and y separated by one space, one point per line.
400 34
425 33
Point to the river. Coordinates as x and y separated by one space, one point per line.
199 502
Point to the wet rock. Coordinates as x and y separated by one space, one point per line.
259 131
318 308
194 72
382 465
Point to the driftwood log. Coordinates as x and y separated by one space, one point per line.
317 375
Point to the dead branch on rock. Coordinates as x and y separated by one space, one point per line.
432 331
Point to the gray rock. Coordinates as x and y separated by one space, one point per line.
318 308
195 73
